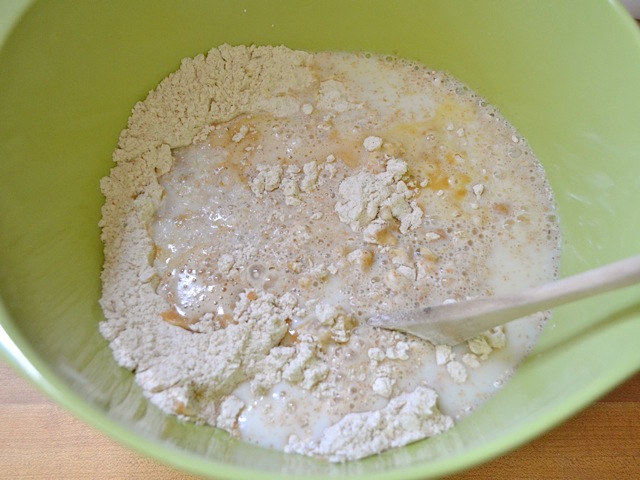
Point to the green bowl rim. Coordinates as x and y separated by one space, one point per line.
23 359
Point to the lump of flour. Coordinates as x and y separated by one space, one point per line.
366 195
405 419
265 202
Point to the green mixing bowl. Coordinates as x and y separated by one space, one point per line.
567 74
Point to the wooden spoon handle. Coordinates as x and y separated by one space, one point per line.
592 282
456 322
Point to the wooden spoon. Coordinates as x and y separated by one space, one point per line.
453 323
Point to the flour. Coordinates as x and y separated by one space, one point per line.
265 202
173 366
405 419
365 198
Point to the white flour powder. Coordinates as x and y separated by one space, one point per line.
183 372
264 203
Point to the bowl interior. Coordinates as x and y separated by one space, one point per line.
71 71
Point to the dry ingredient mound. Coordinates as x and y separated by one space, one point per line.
261 207
176 368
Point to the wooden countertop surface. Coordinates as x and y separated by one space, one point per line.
39 440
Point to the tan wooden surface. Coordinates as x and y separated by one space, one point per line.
39 440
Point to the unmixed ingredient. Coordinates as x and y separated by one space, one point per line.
266 202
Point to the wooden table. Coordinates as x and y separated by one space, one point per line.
39 440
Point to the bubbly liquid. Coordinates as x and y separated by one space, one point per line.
228 223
